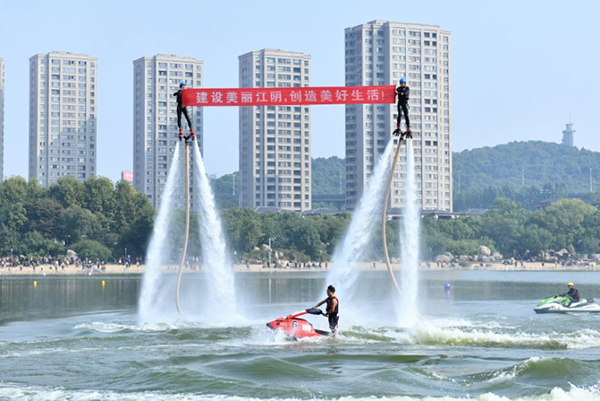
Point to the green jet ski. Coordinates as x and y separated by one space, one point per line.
560 304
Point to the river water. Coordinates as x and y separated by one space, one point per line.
73 338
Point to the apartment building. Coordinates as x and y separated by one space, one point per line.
380 53
274 145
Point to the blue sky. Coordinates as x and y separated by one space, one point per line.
519 68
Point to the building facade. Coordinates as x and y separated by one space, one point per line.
1 119
274 144
156 78
63 116
568 137
380 53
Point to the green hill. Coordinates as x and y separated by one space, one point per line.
547 170
326 175
325 181
226 190
540 162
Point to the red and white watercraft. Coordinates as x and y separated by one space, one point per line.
296 327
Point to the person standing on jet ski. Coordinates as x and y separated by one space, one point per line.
332 308
573 294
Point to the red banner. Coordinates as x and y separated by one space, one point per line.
289 96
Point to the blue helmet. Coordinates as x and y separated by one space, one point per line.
181 83
402 80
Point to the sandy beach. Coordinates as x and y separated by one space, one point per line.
112 269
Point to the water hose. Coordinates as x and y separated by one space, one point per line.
384 214
187 223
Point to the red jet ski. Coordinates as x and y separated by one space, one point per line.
296 327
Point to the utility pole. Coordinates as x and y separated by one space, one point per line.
522 177
591 188
232 184
341 183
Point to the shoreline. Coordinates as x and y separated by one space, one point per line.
48 270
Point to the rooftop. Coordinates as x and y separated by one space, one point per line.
277 51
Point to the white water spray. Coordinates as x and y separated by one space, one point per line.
218 267
155 259
409 237
358 238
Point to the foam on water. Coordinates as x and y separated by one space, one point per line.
359 236
108 327
162 327
517 370
17 392
429 334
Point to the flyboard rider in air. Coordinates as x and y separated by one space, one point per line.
403 92
183 109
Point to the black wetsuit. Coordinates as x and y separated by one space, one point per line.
182 109
573 294
403 95
332 314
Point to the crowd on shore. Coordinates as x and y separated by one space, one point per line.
20 264
49 267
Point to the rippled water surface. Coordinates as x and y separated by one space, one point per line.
73 338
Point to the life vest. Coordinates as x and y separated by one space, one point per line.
403 94
330 302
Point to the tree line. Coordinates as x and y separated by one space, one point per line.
96 219
507 227
99 219
514 231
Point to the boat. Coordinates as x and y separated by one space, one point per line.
560 304
296 327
